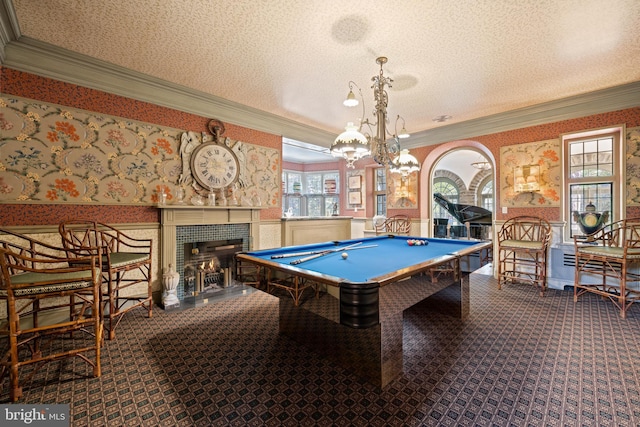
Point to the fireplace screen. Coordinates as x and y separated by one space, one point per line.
209 266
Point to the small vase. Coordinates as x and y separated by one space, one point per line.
179 196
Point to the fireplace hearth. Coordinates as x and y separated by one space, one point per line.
209 266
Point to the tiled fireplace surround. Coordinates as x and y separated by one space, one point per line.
190 224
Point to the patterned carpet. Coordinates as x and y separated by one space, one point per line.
518 360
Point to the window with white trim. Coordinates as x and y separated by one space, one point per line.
485 195
593 166
380 191
311 193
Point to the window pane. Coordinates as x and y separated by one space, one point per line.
591 158
380 191
487 196
591 146
294 204
331 205
381 204
590 171
606 170
314 183
576 172
605 157
314 206
294 183
381 179
331 183
605 144
451 193
599 194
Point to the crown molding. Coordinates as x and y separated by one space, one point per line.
601 101
36 57
9 28
29 55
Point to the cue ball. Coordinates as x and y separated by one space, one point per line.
345 255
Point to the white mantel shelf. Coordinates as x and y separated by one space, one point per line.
173 216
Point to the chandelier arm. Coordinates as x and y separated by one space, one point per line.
370 132
351 85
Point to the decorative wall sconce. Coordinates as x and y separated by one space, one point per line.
526 179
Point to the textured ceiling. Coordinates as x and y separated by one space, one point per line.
293 58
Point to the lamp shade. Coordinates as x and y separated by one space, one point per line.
351 100
350 145
405 163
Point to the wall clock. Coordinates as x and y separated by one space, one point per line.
214 166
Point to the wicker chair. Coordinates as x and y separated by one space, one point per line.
397 224
125 262
608 263
249 274
48 296
523 246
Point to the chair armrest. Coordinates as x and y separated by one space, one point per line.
117 241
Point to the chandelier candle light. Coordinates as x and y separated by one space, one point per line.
353 144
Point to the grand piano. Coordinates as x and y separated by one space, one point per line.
479 220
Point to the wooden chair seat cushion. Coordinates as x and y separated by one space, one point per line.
522 244
41 283
123 259
610 251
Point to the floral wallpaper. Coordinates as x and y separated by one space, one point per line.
54 154
633 166
545 154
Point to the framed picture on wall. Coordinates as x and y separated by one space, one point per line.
355 198
355 182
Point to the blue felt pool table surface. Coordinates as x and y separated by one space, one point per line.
390 256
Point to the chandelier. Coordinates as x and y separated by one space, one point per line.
384 146
482 165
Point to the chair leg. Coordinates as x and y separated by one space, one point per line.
623 291
149 292
15 391
112 300
500 269
116 311
541 272
97 370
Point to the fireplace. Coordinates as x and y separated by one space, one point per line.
209 266
192 243
191 226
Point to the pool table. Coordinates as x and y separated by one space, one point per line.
370 282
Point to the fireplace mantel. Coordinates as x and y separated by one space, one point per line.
174 216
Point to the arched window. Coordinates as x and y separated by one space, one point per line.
450 191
